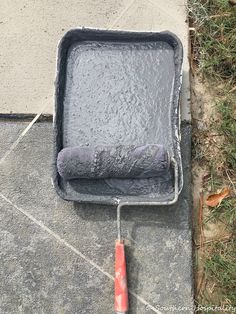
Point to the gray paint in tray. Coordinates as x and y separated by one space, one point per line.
118 88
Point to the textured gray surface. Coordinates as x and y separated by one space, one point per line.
111 93
38 275
118 88
9 134
45 276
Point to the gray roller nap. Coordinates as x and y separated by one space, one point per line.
103 162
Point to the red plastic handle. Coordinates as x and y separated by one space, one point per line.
121 288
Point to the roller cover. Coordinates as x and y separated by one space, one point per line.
103 162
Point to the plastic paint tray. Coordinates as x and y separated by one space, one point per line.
118 87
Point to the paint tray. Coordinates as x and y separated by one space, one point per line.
113 88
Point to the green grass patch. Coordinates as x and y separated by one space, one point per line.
214 38
220 267
225 212
227 109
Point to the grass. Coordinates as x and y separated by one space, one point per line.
213 40
225 212
221 269
227 109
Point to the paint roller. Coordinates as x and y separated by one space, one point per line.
121 161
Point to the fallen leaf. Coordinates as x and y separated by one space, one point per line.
232 2
215 199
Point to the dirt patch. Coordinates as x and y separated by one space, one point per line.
206 138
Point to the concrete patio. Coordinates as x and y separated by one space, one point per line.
57 256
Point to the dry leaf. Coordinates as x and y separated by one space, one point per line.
215 199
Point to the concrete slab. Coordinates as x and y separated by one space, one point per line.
9 134
30 32
159 249
40 275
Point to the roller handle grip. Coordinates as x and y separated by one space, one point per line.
121 288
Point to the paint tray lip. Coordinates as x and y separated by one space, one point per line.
89 34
